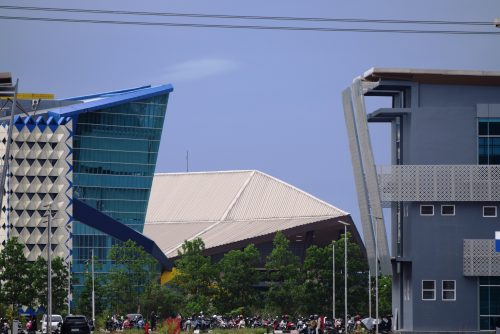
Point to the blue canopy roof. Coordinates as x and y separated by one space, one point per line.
109 99
102 222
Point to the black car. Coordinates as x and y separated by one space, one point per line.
75 324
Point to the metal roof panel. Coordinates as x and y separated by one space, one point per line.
225 207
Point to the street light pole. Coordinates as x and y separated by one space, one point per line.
376 271
93 289
369 293
333 282
376 278
69 288
49 277
345 270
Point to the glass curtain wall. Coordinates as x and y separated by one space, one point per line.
115 151
489 303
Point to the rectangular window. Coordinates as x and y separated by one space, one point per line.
447 210
449 290
427 210
489 141
489 211
428 290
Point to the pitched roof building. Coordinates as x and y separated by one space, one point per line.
232 209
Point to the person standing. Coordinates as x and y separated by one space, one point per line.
153 320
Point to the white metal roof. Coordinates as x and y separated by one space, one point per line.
225 207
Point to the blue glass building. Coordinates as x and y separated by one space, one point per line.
115 149
96 163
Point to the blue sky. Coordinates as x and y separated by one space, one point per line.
246 99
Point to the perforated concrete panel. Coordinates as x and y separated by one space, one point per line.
480 258
439 183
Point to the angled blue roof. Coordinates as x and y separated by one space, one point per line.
105 94
100 221
110 99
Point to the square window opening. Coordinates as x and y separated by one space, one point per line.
428 290
447 210
489 211
449 290
427 210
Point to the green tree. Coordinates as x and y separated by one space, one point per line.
283 269
317 286
162 299
60 284
14 275
237 280
196 277
132 269
384 295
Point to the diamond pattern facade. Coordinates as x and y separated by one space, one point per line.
40 174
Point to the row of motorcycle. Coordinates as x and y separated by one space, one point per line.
304 325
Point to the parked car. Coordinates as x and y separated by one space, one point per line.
55 321
75 324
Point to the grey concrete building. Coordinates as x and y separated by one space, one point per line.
443 191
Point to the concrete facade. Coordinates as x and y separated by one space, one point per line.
435 132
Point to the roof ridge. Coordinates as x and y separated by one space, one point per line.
224 215
238 196
303 192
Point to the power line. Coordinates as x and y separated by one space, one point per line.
246 17
251 27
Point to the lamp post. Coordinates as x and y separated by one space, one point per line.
333 282
93 289
69 288
369 293
345 270
49 269
376 279
376 271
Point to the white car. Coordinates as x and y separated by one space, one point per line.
56 319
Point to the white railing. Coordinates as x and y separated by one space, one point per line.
435 183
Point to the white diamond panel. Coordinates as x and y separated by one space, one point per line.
39 174
439 183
